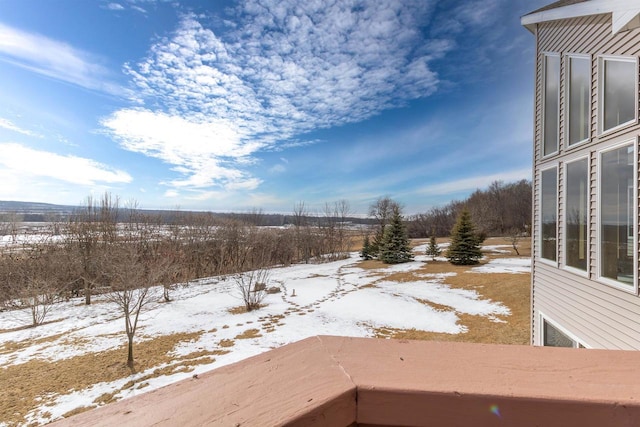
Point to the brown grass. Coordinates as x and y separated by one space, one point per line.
77 410
512 290
25 386
243 309
12 346
238 310
248 334
226 343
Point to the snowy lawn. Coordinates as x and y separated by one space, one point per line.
337 298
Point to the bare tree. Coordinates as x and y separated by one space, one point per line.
255 216
333 229
91 228
302 231
252 287
133 266
10 225
514 237
32 278
131 274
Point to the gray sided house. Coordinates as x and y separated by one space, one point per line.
586 155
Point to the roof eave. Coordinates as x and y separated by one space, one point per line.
625 13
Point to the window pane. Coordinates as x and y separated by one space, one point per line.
554 338
616 215
549 210
551 101
579 102
619 92
576 214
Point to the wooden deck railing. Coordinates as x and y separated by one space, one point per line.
340 381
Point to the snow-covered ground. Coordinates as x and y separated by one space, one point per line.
336 298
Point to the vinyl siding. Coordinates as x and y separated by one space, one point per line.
600 315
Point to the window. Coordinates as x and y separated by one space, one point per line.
579 98
617 213
553 336
575 216
549 209
618 92
551 104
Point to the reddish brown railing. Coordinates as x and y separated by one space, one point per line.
339 381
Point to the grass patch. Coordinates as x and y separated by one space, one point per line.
12 346
435 305
372 264
238 310
225 343
512 290
248 334
77 411
31 387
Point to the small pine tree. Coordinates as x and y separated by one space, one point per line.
376 243
366 253
394 248
433 249
465 243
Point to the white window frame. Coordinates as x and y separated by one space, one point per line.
545 55
567 98
601 107
584 273
605 280
544 318
556 166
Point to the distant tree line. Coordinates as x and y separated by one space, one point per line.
500 210
17 212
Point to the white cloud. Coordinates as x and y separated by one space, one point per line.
54 59
7 124
115 6
286 68
475 182
277 169
205 152
20 161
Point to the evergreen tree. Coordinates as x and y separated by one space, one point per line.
376 244
433 249
382 211
366 252
394 248
465 243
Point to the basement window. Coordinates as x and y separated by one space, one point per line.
554 336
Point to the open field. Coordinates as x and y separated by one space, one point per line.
77 360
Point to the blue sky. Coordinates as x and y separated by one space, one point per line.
230 106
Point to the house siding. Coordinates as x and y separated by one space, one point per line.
598 314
